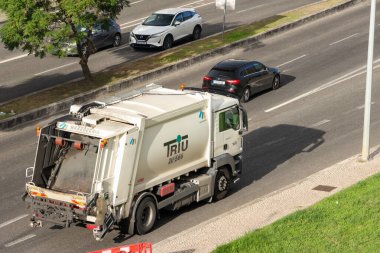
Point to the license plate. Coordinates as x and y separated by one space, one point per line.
217 82
141 42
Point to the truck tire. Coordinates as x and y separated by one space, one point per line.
222 183
145 216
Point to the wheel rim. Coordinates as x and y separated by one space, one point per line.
146 216
222 183
246 95
197 34
117 41
276 82
167 43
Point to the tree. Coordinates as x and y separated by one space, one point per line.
46 26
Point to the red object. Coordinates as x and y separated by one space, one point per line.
167 189
78 145
91 226
233 82
59 141
207 78
143 247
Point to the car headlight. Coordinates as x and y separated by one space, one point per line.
132 35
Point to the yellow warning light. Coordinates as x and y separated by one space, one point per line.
38 130
182 86
103 143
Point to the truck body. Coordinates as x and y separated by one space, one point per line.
122 160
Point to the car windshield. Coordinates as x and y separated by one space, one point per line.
159 20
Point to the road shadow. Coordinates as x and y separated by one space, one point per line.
268 147
264 150
36 83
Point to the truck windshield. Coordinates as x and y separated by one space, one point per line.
77 168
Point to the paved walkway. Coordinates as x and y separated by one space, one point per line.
2 17
261 212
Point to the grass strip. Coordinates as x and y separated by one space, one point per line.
346 222
138 67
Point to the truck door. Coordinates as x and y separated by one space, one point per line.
227 137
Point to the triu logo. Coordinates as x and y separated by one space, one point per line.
180 144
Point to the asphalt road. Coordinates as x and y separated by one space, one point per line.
21 74
313 121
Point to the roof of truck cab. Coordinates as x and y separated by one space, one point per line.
161 100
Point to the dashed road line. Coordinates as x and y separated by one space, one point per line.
336 42
14 58
49 70
13 220
22 239
295 59
136 2
252 8
320 123
362 106
338 80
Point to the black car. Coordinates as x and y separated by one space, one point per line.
241 78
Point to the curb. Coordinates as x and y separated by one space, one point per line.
65 104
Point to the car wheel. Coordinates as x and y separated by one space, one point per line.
197 33
168 42
246 95
276 82
146 215
222 183
117 40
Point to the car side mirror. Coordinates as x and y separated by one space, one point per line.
177 23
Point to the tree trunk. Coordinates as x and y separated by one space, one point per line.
85 69
84 54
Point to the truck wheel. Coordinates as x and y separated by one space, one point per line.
222 183
146 215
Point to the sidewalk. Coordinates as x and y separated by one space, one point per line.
3 18
206 236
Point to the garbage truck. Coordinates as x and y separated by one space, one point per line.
119 161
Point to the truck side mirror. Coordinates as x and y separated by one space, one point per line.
29 172
245 118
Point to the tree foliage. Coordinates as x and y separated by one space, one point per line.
42 26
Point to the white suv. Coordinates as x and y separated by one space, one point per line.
164 27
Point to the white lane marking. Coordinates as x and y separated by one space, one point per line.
19 240
320 123
13 220
274 142
322 87
191 3
295 59
118 48
14 58
136 2
249 9
362 106
338 41
63 66
249 119
199 6
136 21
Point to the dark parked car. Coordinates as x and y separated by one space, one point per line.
103 35
241 78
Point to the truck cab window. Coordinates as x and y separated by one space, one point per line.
229 119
